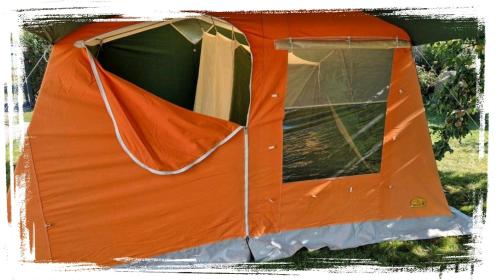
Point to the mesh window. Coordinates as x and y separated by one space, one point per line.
334 111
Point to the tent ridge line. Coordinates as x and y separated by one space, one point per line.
144 26
184 35
124 32
124 146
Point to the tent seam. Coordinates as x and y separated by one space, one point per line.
247 229
45 224
184 35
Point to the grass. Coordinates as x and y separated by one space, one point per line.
26 116
15 145
464 175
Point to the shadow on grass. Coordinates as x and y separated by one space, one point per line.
464 191
438 254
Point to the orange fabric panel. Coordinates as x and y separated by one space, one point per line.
323 202
160 134
275 206
342 24
408 169
408 163
100 204
265 138
26 182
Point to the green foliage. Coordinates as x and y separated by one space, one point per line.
33 50
16 149
448 79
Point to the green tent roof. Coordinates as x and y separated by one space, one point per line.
431 27
423 28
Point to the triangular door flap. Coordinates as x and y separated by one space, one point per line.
159 136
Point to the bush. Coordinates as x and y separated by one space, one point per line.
34 48
450 85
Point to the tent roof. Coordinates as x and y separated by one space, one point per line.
422 28
431 28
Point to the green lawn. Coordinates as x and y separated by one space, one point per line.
16 147
26 116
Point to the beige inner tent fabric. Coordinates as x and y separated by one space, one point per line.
215 78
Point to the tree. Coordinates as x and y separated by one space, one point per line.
450 83
35 63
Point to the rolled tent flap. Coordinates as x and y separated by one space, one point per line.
158 135
215 77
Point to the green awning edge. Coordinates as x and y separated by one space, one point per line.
54 28
430 28
423 29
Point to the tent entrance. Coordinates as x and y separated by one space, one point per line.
169 60
151 82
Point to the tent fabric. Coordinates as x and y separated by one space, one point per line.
95 204
285 244
241 85
145 58
227 251
275 206
341 43
135 114
428 28
192 29
215 79
96 199
165 61
338 76
342 236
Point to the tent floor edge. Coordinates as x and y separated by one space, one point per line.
235 250
343 236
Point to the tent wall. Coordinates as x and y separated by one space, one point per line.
101 205
27 185
408 168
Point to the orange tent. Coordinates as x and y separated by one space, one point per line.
331 148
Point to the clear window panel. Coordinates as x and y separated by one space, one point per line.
335 111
